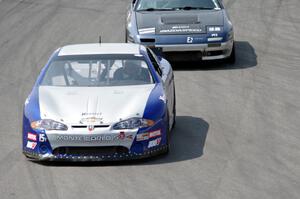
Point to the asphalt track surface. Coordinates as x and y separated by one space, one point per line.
237 133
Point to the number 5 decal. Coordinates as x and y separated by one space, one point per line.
42 138
189 40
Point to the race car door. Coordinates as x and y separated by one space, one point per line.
164 69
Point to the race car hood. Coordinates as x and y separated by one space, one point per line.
147 21
74 105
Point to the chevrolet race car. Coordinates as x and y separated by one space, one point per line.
98 102
182 29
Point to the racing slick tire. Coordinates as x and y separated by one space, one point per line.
174 111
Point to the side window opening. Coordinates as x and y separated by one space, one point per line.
154 61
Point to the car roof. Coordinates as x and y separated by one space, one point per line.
101 48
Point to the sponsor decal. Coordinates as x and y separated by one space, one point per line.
91 120
87 138
31 145
91 114
130 137
31 136
215 39
121 136
154 143
180 26
42 137
142 136
179 29
154 134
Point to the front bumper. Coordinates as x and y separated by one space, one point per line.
97 146
208 51
101 157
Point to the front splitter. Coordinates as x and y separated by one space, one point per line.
85 158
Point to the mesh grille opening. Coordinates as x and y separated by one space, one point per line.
87 151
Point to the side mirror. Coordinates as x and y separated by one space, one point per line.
159 57
165 68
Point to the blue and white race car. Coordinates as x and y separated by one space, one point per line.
98 102
182 29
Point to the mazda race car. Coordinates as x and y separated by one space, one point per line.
97 102
182 29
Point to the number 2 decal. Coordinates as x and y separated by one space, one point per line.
189 40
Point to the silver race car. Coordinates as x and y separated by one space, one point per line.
100 102
182 29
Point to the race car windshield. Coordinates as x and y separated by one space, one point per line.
97 71
165 5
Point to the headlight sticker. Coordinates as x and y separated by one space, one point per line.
148 135
143 31
214 29
154 134
142 136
